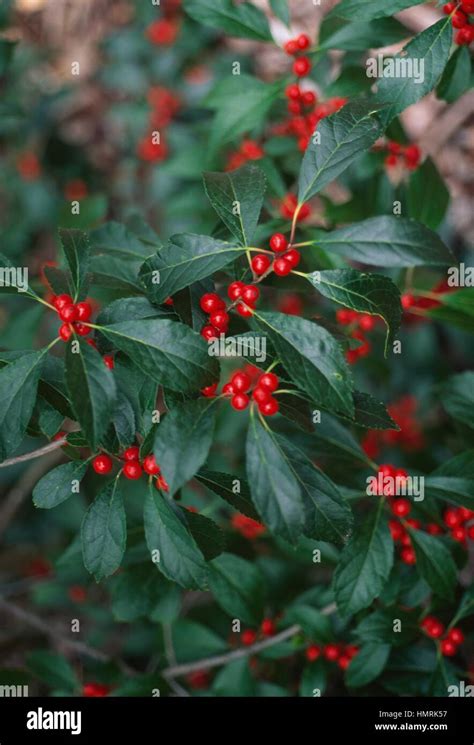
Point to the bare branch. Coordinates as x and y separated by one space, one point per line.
49 448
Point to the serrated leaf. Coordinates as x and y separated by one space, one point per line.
238 587
434 563
223 485
368 664
114 238
187 258
179 556
273 485
312 357
104 532
454 489
342 138
387 241
365 564
58 485
92 389
457 397
432 46
169 352
183 439
379 627
76 249
207 534
18 387
365 293
237 197
243 20
360 35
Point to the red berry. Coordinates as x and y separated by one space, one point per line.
455 635
220 320
241 382
312 652
209 391
65 332
391 160
470 531
269 408
61 300
132 470
67 313
59 435
435 629
303 41
278 242
228 389
198 680
248 637
268 627
209 333
366 322
161 483
211 302
408 556
91 343
459 533
351 650
301 66
77 593
394 147
344 661
331 652
82 329
261 395
448 8
269 381
448 648
465 35
131 453
459 19
452 518
293 92
397 530
407 301
240 401
109 361
94 690
83 311
308 98
294 107
235 290
401 507
291 47
282 267
102 464
244 310
415 524
260 263
250 294
434 529
465 514
150 465
466 5
293 257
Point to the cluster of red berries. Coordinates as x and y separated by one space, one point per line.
456 519
414 306
73 315
95 690
288 205
245 298
247 526
305 114
248 150
288 258
340 653
448 641
250 636
410 435
133 468
460 20
293 47
164 105
239 386
164 31
408 155
359 323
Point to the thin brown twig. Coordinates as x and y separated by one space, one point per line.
49 448
237 654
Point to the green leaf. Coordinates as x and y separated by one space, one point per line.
365 564
457 490
92 389
169 352
137 590
243 20
341 139
114 238
456 79
428 197
274 487
314 624
370 413
434 563
466 606
367 665
462 300
183 439
312 357
281 10
193 641
373 9
58 484
314 679
365 293
18 387
130 308
238 588
53 669
432 46
237 197
76 249
379 627
234 679
178 557
360 34
223 484
389 242
186 259
207 534
462 465
457 397
104 532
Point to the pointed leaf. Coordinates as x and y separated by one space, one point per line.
243 20
223 484
434 563
104 532
18 387
238 587
76 249
237 197
58 484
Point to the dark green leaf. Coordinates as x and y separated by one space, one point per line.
367 664
225 486
238 588
313 680
280 9
18 387
360 34
53 669
455 489
114 238
76 249
207 534
428 197
136 592
456 79
434 563
457 397
380 627
58 484
237 197
234 679
374 9
104 532
315 625
243 20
